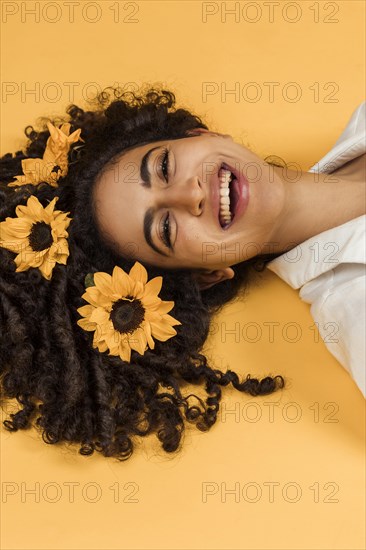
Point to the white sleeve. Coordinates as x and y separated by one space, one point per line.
340 317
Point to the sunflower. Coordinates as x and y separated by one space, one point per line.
37 235
54 162
125 312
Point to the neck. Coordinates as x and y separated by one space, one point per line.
315 202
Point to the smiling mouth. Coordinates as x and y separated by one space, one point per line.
228 196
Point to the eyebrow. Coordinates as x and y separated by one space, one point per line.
149 215
144 168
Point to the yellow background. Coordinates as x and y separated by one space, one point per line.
311 452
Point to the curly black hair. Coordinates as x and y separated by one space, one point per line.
47 361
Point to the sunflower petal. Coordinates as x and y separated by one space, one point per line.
153 287
138 290
99 316
138 341
85 324
114 350
35 208
122 283
22 211
113 338
60 216
125 352
96 298
158 306
51 205
162 332
150 301
47 267
147 328
59 248
138 273
17 227
55 133
58 232
13 245
102 346
28 258
35 258
21 266
103 282
59 226
62 259
165 306
22 180
100 334
86 311
169 319
35 169
75 136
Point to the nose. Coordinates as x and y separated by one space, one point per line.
186 194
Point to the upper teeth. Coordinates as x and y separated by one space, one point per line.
224 178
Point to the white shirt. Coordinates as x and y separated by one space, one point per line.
330 268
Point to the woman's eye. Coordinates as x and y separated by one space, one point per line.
164 164
164 169
165 233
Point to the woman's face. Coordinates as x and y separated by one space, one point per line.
179 199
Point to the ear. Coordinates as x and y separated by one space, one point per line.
211 278
199 131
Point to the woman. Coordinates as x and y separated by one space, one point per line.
90 339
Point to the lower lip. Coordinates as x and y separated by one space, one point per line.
242 185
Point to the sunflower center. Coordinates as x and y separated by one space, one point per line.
127 316
40 236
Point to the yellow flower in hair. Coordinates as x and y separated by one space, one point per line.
54 163
37 235
125 312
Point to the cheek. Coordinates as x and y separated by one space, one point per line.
190 234
192 247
